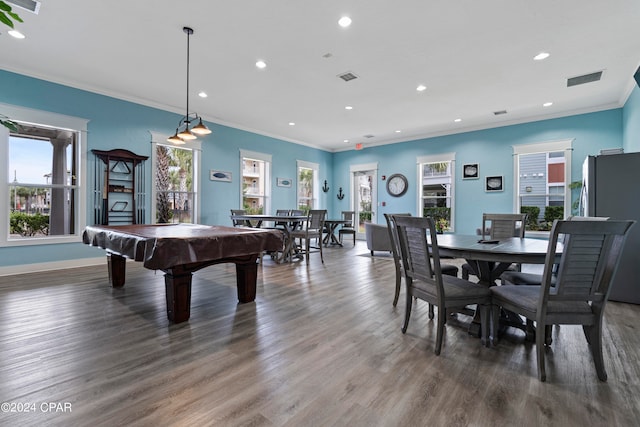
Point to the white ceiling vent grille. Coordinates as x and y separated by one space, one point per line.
347 76
587 78
30 5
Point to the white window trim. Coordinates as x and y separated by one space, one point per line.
437 158
316 181
196 146
565 145
59 121
267 158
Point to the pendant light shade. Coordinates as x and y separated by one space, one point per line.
183 132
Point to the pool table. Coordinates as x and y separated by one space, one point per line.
181 249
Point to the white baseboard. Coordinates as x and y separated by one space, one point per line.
48 266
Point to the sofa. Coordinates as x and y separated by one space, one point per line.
377 237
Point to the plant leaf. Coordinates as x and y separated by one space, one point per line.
5 7
5 20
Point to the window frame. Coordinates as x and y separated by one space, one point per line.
196 147
267 158
315 182
565 145
56 121
437 158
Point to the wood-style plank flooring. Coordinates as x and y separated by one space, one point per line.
321 346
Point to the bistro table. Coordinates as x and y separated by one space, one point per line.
288 222
490 258
331 225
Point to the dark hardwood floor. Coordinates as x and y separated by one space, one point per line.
321 346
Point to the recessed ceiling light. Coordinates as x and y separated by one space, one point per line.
348 107
203 94
261 64
344 22
292 124
541 56
398 131
547 104
15 34
421 88
457 120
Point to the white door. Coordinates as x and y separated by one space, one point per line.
364 198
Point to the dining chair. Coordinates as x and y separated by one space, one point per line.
281 212
589 260
448 269
499 226
424 278
312 229
240 222
349 227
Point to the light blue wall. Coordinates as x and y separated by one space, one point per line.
115 123
492 149
631 122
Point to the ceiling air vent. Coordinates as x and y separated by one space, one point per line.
587 78
497 113
369 136
30 5
347 76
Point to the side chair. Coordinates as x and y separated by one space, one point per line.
589 260
500 226
349 227
424 278
448 269
312 230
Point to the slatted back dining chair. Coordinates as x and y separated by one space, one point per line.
240 222
590 255
424 278
499 226
349 227
312 229
281 212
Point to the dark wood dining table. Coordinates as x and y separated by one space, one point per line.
331 226
490 258
286 224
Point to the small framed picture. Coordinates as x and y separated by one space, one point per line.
471 171
494 183
215 175
283 182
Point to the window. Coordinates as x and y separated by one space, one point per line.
307 185
176 181
256 178
542 173
436 175
42 185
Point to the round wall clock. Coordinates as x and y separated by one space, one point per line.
397 185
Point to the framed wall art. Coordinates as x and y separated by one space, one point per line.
283 182
471 171
216 175
494 183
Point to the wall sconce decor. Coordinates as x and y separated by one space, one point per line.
325 188
340 194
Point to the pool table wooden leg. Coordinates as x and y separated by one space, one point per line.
178 293
116 265
246 278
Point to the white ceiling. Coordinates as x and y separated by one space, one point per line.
475 57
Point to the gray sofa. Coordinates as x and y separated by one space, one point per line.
377 237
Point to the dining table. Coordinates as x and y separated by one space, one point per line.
490 258
285 223
331 225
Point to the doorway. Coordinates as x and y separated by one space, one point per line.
364 195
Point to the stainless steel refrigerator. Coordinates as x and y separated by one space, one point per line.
611 188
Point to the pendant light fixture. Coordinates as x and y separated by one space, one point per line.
183 132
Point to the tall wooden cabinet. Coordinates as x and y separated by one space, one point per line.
119 195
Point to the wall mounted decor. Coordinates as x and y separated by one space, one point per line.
471 171
340 194
494 183
283 182
325 187
397 185
215 175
